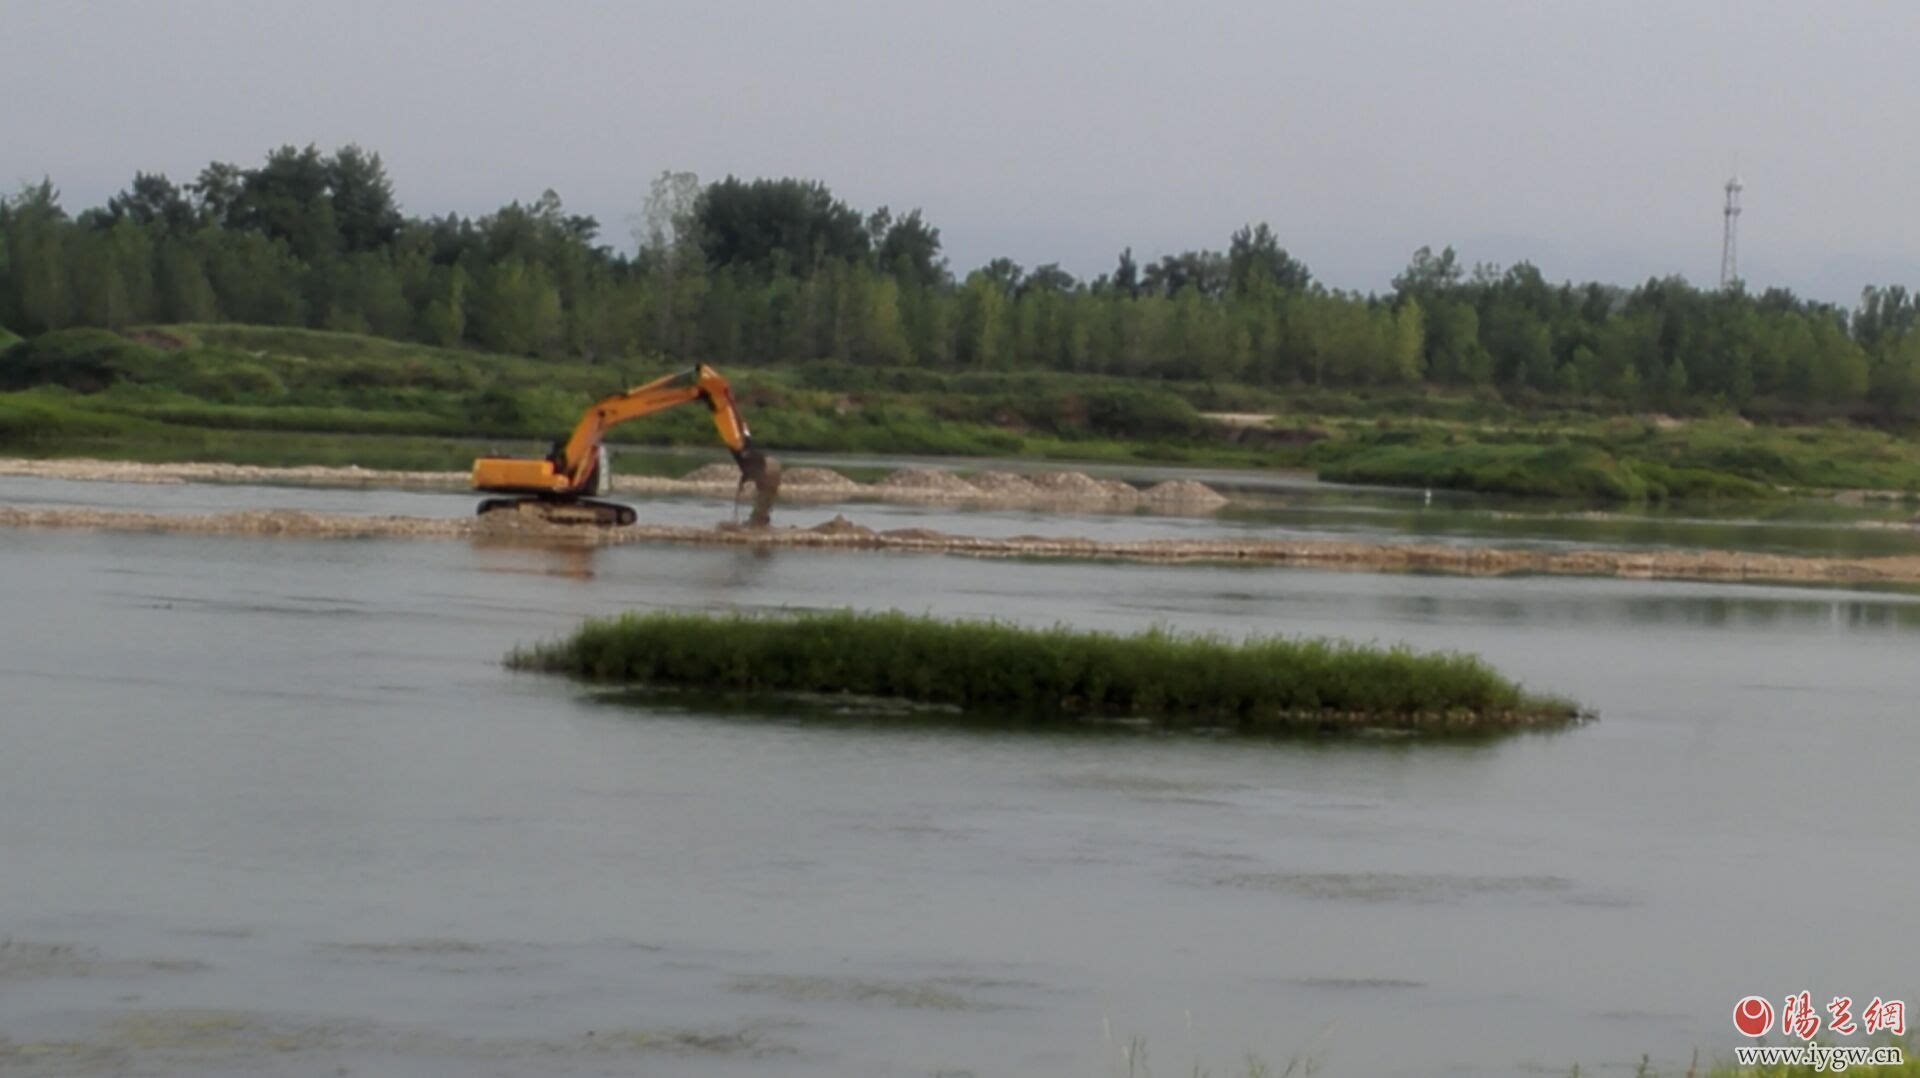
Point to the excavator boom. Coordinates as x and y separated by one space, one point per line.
557 487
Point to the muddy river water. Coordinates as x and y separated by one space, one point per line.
272 806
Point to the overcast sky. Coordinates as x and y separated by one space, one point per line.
1592 139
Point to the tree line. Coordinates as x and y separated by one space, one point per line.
756 271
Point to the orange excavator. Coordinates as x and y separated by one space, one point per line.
562 487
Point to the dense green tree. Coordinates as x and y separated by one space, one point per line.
1255 254
1203 271
1429 275
1004 274
982 323
745 223
668 222
183 292
364 210
1894 382
1126 275
37 295
443 316
1885 314
288 199
516 308
257 279
220 188
909 250
154 202
110 274
1048 278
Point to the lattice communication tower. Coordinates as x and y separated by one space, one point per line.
1729 248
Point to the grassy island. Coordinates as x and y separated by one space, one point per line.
1171 679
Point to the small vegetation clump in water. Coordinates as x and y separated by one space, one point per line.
1264 683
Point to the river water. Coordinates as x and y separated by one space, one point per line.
273 806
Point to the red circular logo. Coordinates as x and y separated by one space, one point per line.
1753 1016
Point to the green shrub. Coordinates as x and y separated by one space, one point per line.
1667 483
41 423
231 382
1565 470
84 360
538 412
1141 413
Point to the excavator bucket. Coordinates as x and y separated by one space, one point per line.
765 477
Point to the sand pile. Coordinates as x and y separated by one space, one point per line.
841 526
1183 494
1081 487
1006 486
927 482
817 479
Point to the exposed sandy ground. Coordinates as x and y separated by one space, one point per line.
1239 419
1047 490
841 533
311 475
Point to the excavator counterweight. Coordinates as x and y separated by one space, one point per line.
560 487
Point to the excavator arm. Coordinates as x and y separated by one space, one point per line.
575 468
581 452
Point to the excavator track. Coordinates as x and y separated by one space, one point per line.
569 512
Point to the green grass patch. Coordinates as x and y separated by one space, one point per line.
1567 470
1261 684
51 423
1552 471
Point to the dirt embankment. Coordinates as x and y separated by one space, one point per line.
841 533
308 475
1044 490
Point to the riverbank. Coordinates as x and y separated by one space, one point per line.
276 396
841 533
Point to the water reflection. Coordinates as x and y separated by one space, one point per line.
873 716
742 567
506 554
1839 613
